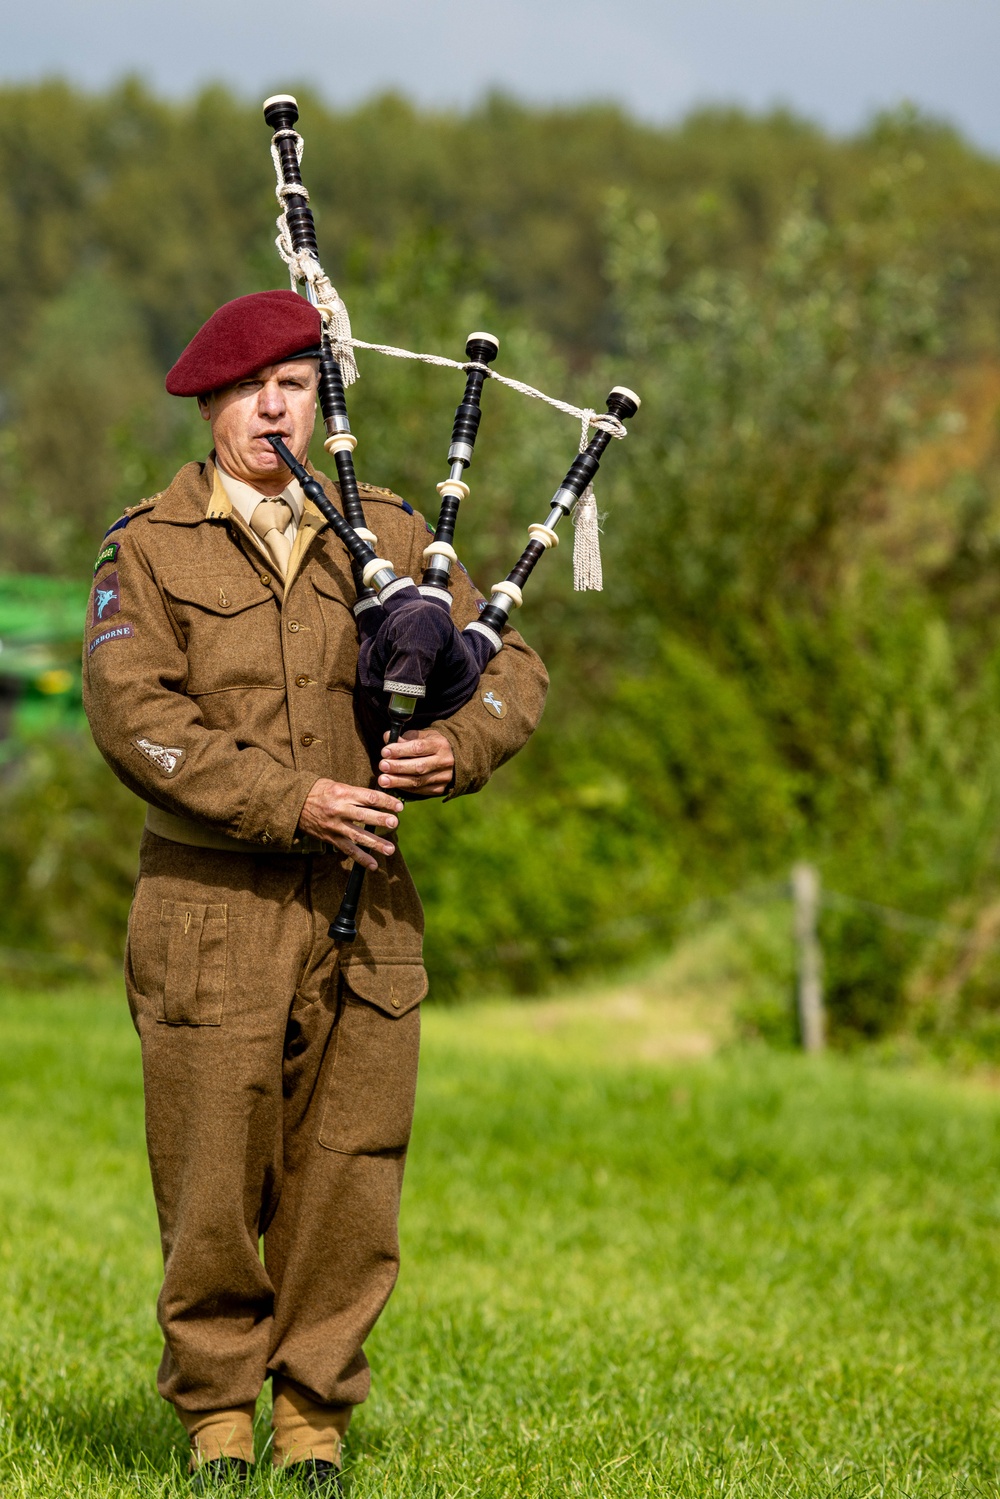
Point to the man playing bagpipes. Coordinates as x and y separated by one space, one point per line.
221 683
252 662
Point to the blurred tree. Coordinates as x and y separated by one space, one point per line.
797 647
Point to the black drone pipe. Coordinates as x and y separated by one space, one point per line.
281 112
480 349
621 403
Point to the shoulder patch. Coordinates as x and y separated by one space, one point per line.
106 554
164 758
107 598
120 632
129 512
495 706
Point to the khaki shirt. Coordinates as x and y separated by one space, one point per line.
220 696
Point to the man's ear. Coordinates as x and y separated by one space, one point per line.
204 407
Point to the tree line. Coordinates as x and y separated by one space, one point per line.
796 651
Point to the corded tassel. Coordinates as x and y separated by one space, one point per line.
587 572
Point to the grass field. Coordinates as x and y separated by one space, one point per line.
625 1271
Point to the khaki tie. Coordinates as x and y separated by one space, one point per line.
270 520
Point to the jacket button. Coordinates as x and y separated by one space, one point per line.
395 1003
265 578
302 681
308 739
293 625
266 837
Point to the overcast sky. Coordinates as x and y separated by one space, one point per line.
833 60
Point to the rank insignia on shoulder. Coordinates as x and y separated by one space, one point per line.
167 760
106 554
130 511
379 492
494 705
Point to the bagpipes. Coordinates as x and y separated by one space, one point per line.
414 666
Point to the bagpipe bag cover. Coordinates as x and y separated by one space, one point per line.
417 642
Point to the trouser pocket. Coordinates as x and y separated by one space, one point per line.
193 957
372 1080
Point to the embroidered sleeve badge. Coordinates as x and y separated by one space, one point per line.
495 705
167 760
107 598
120 632
106 554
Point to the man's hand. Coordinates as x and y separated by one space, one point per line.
338 814
421 763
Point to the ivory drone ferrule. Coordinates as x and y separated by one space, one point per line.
341 442
546 534
442 549
377 573
456 488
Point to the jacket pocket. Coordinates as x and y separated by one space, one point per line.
373 1079
231 625
193 941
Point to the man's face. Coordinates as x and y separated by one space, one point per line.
280 399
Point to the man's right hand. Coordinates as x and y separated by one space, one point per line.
337 814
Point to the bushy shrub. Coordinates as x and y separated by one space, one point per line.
69 836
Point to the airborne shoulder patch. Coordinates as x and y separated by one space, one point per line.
120 632
165 759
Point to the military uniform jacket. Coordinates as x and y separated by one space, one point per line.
220 696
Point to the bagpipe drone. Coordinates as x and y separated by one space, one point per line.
414 665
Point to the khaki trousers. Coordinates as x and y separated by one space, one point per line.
278 1104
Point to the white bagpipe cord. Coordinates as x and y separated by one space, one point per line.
303 266
587 571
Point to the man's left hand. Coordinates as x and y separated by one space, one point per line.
421 763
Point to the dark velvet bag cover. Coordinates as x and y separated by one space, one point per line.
418 643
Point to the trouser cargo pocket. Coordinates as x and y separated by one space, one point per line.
372 1081
193 955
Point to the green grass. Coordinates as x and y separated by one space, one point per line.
749 1274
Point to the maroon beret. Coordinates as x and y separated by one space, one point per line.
245 335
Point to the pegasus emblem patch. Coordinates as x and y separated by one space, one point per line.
107 598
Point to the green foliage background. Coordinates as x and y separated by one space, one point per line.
796 653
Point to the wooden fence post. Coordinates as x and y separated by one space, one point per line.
806 897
